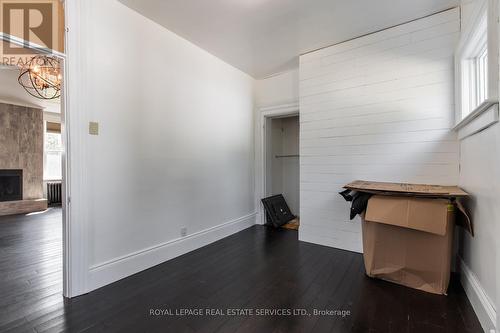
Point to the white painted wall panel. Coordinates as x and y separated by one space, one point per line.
480 176
176 143
381 108
278 90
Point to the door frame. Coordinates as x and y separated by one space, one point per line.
278 111
75 237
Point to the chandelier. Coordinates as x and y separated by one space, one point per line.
41 77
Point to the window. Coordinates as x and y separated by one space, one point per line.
52 169
479 78
475 77
476 90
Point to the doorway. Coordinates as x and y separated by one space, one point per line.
281 159
37 221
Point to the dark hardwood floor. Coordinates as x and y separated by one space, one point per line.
256 269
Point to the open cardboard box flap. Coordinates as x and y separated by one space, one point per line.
414 206
402 189
428 215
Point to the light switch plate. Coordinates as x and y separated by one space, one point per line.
93 128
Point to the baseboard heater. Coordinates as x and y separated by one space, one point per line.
54 194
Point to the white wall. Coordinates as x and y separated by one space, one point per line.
176 142
278 90
480 176
379 108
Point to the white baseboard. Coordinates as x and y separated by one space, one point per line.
340 244
481 303
119 268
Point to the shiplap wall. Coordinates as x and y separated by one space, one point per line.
379 107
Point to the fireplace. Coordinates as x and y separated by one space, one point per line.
11 185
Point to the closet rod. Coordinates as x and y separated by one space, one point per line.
282 156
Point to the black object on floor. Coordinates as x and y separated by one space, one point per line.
277 211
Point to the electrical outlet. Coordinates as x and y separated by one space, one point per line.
93 128
184 232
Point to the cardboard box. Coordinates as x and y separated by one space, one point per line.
435 191
408 240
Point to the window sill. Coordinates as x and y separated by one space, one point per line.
481 118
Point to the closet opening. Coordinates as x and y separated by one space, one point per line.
282 171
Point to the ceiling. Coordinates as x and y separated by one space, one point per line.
265 37
11 92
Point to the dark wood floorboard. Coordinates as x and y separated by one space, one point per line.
256 269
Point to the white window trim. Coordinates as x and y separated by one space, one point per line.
484 17
478 111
